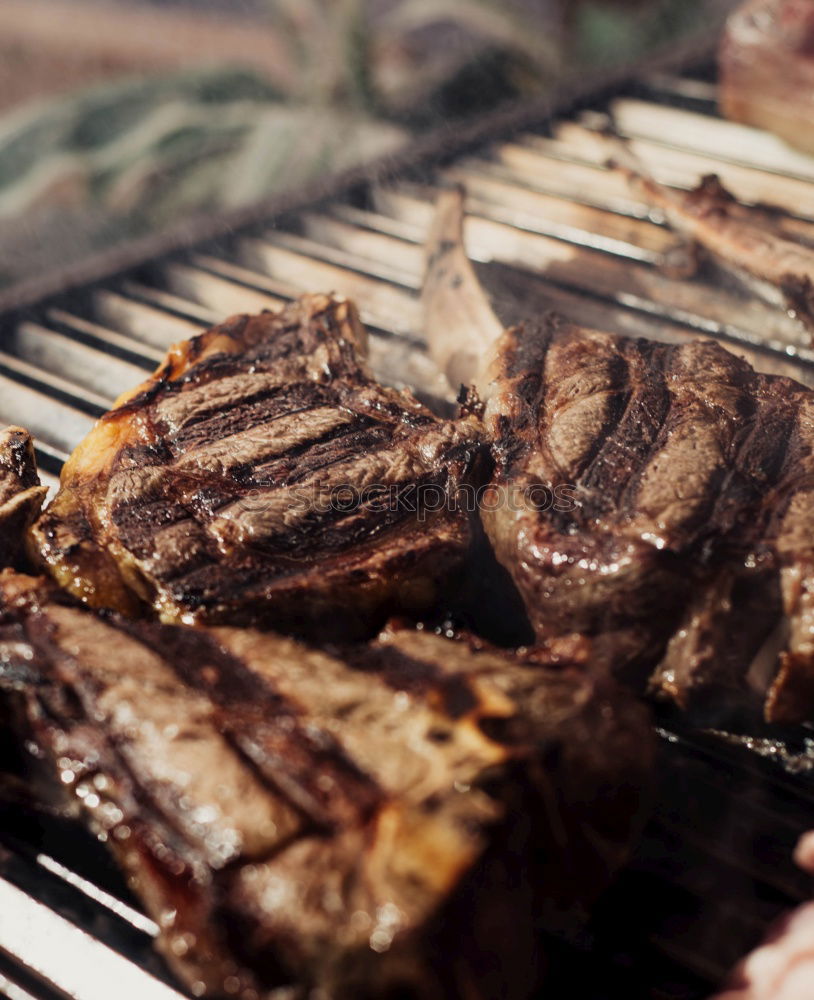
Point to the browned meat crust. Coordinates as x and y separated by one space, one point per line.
688 528
262 476
658 498
399 816
21 495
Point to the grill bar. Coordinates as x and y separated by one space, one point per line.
549 226
73 963
10 989
710 136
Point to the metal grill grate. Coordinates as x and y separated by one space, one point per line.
549 226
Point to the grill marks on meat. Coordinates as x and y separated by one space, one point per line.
21 495
263 476
678 488
691 479
333 820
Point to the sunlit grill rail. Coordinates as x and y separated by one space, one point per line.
549 227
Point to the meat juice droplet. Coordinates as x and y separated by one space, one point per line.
182 944
380 940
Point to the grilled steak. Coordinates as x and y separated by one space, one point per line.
21 495
657 497
262 476
398 819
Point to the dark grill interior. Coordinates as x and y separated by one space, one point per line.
550 227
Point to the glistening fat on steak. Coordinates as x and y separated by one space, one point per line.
688 544
395 820
21 495
263 476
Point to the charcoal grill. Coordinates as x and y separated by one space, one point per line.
548 226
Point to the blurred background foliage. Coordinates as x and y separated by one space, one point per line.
124 116
421 60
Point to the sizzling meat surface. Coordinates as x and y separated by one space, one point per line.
657 497
262 476
21 495
689 506
398 816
